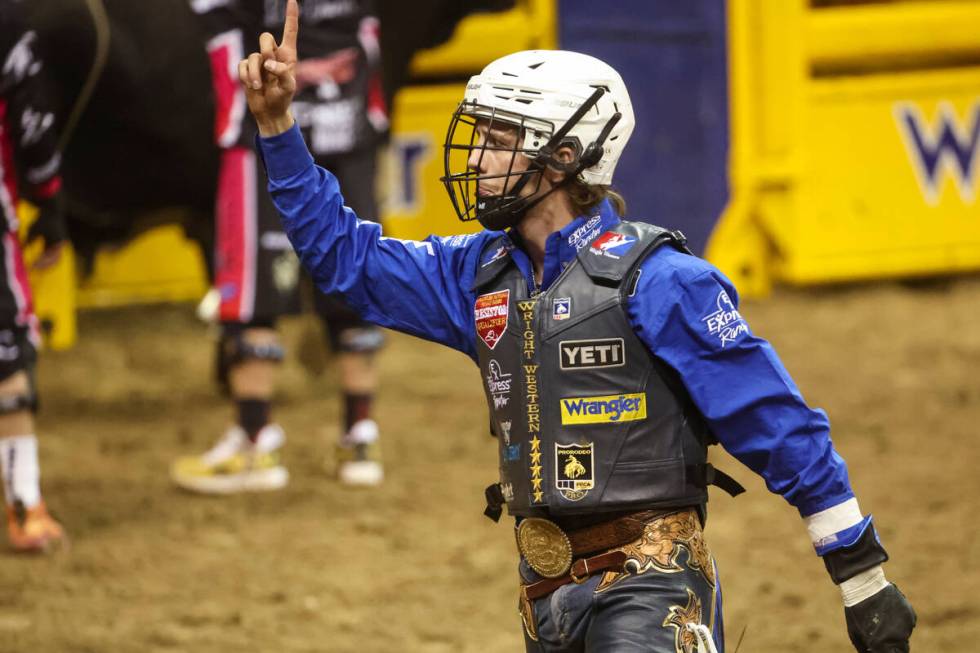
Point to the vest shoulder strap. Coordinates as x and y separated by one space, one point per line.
613 254
494 259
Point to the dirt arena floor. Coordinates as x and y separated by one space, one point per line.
413 565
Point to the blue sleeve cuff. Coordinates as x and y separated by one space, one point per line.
285 155
844 538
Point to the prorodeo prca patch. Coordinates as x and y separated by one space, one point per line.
574 470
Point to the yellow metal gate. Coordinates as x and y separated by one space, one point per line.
855 129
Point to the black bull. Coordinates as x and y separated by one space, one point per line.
143 141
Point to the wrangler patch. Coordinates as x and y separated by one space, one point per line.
608 409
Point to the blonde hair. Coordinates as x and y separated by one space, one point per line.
585 197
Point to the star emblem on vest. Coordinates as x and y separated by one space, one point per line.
537 494
612 245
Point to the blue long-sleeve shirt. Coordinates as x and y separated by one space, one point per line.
684 310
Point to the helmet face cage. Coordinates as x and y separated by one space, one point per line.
462 182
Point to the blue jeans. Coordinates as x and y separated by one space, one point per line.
629 612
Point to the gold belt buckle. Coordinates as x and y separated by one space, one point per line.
545 547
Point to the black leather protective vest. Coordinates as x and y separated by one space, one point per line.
588 421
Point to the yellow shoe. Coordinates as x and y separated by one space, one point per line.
33 530
235 464
359 455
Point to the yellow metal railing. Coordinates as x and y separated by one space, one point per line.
893 35
480 38
854 142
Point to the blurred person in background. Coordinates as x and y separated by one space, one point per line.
612 358
341 110
29 168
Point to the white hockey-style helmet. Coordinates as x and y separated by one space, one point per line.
556 99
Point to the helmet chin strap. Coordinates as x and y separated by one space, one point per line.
505 212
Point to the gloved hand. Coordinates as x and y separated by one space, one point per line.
881 623
51 227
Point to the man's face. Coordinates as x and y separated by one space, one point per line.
498 160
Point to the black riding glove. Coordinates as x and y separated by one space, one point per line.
881 623
50 224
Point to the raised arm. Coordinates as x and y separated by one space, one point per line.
269 76
419 287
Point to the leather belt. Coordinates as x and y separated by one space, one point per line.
580 571
559 556
613 533
549 550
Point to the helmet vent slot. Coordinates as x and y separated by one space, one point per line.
534 66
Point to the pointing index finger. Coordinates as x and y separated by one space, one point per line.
291 26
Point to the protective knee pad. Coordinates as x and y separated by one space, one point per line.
16 353
15 403
233 349
357 340
346 331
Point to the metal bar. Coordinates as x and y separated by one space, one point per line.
895 34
